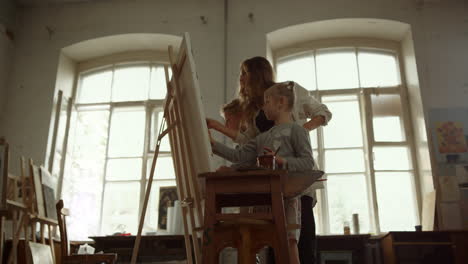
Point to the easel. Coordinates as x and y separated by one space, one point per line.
37 209
183 157
12 204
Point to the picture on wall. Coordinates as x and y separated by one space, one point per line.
167 197
449 131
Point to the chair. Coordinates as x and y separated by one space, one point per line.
249 232
108 258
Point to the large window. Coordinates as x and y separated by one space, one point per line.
365 149
116 117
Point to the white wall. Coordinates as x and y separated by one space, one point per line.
7 22
418 117
31 89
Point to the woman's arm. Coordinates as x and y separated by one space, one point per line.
309 107
314 123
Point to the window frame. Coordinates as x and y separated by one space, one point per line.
364 99
150 106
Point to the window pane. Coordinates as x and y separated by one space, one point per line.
164 168
336 69
84 174
313 138
123 169
156 120
131 83
387 118
120 211
377 69
393 215
347 195
127 132
158 88
152 214
95 87
345 130
298 69
339 161
392 158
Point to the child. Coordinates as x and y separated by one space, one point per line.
295 153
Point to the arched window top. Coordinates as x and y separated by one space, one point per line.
341 68
122 82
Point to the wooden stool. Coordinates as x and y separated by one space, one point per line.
247 232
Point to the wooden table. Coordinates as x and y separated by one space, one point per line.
152 248
426 247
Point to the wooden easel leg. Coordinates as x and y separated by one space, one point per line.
51 242
42 234
180 188
14 244
33 231
25 228
2 236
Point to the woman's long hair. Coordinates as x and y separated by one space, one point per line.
261 77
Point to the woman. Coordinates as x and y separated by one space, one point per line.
256 76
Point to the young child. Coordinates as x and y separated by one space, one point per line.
292 140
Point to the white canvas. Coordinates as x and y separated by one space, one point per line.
40 253
191 102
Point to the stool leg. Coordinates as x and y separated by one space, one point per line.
245 254
209 248
282 252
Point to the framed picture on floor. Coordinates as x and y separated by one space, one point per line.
167 197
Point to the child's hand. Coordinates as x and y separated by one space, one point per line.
269 151
213 124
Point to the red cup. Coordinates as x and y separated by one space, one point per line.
266 162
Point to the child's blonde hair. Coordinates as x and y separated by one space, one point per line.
285 89
233 107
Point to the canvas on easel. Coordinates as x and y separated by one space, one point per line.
190 143
37 186
190 146
48 191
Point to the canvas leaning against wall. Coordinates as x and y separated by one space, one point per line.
449 132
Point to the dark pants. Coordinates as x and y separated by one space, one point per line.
306 245
307 240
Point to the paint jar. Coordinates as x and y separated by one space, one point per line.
266 162
346 228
